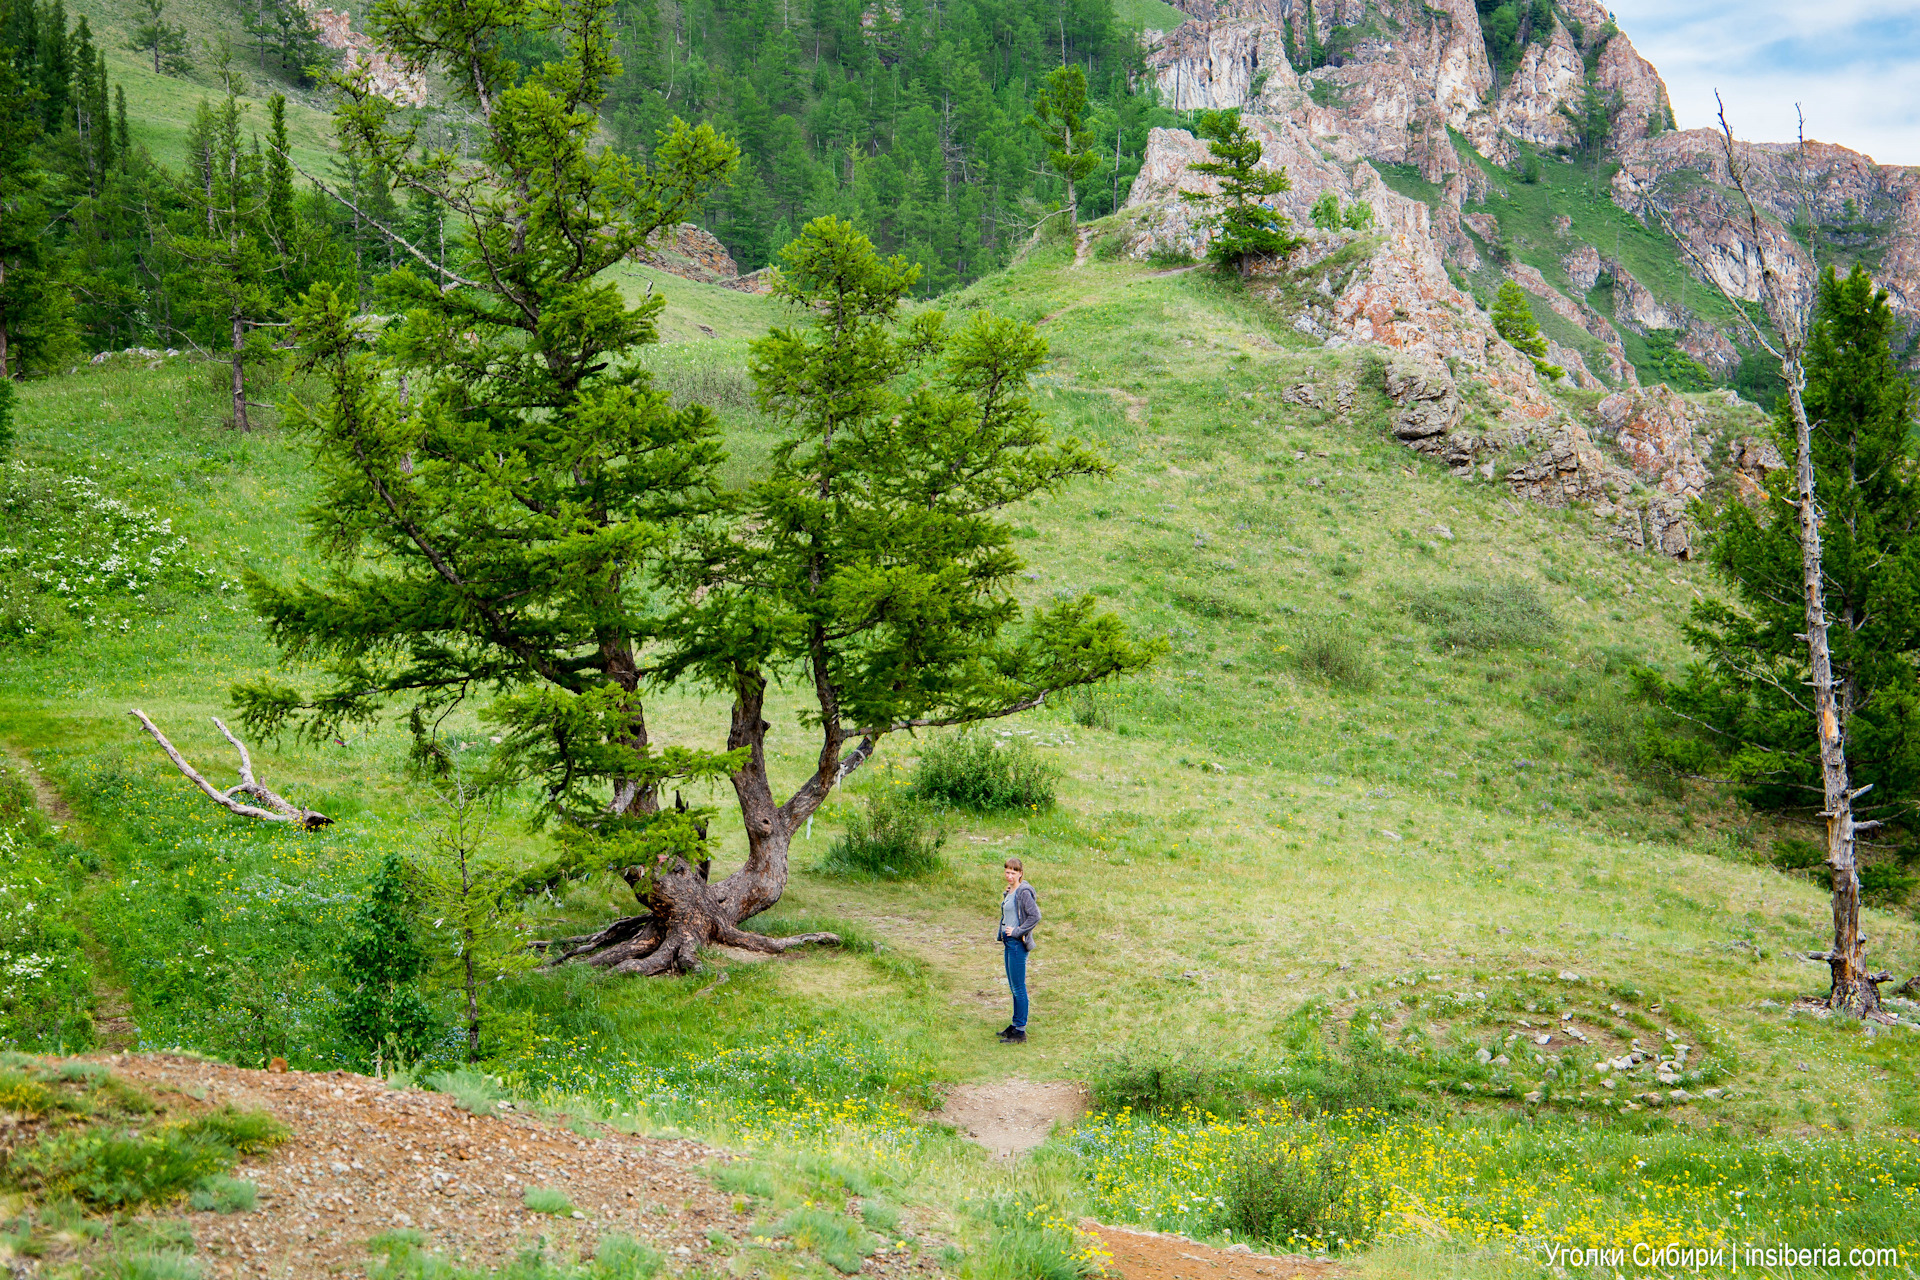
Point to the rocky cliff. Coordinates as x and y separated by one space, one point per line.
1421 90
1549 158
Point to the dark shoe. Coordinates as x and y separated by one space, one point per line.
1003 1034
1014 1035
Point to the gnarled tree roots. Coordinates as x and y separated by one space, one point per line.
649 945
684 915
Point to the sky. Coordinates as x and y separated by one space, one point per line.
1854 65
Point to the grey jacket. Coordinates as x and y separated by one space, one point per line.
1026 915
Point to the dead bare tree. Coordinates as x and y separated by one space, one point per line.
278 810
1854 990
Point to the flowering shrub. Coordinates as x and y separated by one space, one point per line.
70 553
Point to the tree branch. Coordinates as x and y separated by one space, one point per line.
281 811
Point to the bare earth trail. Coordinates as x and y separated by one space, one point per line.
1013 1116
113 1028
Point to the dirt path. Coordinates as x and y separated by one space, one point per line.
1011 1117
1081 243
114 1030
47 800
1139 1254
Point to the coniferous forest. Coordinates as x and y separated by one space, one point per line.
909 122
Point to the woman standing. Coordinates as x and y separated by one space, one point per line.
1019 913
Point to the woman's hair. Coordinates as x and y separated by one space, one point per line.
1013 864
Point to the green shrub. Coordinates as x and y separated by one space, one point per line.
547 1200
880 1215
1297 1194
107 1170
114 1168
219 1193
1093 707
1156 1082
1329 651
891 837
242 1131
1485 615
840 1241
978 771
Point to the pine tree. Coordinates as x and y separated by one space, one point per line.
1746 695
1059 116
296 44
36 307
155 35
474 895
122 141
1245 228
225 241
1513 320
382 1012
56 67
529 581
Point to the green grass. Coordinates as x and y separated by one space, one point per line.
1154 15
550 1200
160 108
1246 851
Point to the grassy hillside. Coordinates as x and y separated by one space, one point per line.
160 108
1376 813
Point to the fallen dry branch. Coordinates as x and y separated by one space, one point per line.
278 810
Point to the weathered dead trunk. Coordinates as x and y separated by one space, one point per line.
1853 989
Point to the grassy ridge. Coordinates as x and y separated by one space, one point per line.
1357 799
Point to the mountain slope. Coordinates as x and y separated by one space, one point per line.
1475 111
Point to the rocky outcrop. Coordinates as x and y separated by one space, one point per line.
1429 404
1636 306
1404 79
1655 430
1549 76
689 252
1753 459
1213 65
385 76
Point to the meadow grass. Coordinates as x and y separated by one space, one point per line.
1307 876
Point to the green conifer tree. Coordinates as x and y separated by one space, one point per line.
1513 320
224 240
1746 695
1245 228
153 34
382 1012
1059 116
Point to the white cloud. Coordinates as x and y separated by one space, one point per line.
1853 65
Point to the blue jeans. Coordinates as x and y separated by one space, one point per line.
1017 980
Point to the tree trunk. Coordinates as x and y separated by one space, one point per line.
239 377
684 910
1853 989
684 913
